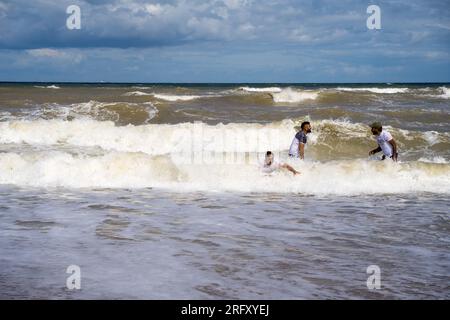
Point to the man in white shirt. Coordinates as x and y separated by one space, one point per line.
385 142
270 165
297 149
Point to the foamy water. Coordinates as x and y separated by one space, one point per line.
156 191
293 96
172 98
137 93
375 90
137 157
267 89
149 244
48 87
445 92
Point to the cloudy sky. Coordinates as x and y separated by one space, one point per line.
225 41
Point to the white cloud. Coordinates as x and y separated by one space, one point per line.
45 52
237 4
439 26
154 9
3 9
207 28
148 23
436 55
417 36
55 55
221 12
300 35
247 28
312 36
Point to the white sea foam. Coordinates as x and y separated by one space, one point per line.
48 87
85 110
290 95
375 90
160 139
433 160
445 92
153 139
141 87
137 93
196 156
432 137
173 98
138 170
270 89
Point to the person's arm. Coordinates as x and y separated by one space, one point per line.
288 167
301 149
394 149
375 150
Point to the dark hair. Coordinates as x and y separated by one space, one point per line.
268 153
377 125
304 124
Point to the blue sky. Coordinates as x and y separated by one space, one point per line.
225 41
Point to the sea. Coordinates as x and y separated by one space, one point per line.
155 191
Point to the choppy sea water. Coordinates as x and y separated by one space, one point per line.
160 245
95 176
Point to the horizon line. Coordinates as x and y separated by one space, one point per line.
218 83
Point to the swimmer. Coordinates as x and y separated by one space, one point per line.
270 165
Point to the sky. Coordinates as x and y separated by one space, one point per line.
254 41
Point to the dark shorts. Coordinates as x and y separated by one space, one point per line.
392 157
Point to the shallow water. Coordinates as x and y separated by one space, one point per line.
149 244
155 191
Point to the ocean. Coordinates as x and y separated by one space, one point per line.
155 191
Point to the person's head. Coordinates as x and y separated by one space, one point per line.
306 127
376 128
269 158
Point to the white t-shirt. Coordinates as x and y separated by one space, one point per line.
382 140
275 165
300 137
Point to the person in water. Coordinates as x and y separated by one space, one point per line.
385 142
270 165
297 149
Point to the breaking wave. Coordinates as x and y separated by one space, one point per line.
445 92
172 98
140 170
48 87
119 112
137 93
269 89
290 95
330 138
197 156
375 90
